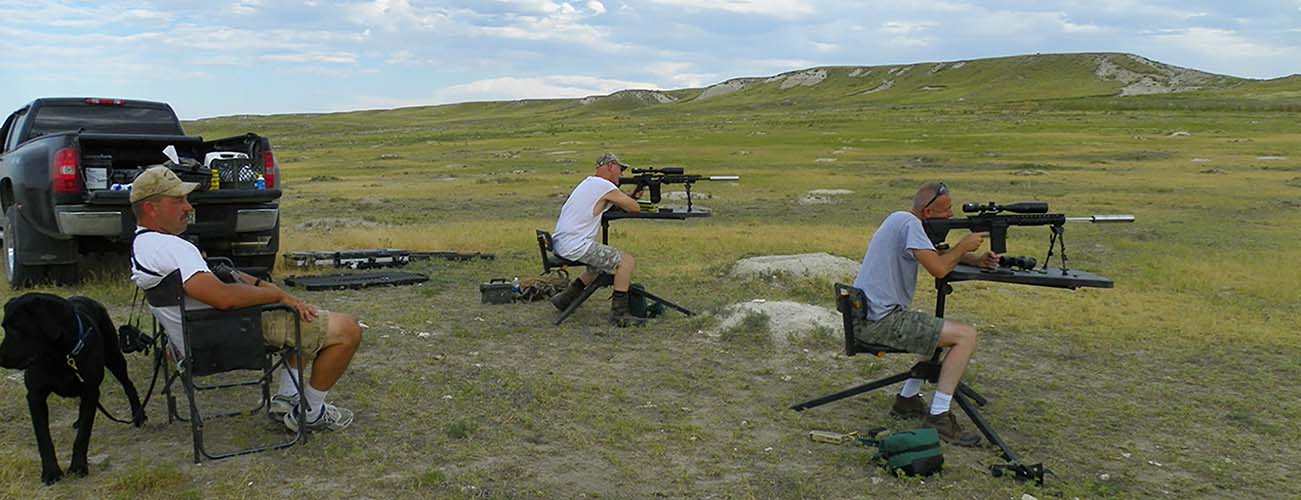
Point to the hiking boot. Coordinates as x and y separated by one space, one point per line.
563 299
619 313
332 418
914 407
947 426
282 404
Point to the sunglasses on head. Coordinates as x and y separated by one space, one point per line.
939 191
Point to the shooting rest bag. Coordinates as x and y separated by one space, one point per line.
913 453
637 303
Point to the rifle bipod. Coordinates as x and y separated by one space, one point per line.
1021 472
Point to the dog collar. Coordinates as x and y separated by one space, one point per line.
81 337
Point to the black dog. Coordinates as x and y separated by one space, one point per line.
63 346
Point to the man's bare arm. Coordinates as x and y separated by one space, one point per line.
206 288
622 200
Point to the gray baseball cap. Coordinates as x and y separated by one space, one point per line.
610 157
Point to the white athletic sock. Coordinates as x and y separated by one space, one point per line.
287 376
940 402
911 387
315 402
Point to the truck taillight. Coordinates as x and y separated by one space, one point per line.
65 172
270 169
105 102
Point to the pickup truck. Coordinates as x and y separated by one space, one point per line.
64 166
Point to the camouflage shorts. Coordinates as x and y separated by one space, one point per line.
911 331
278 331
601 258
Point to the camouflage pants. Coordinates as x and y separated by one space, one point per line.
911 331
601 258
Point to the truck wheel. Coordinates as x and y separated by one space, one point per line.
18 274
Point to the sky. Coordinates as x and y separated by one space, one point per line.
227 57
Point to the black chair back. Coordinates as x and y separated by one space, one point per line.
852 304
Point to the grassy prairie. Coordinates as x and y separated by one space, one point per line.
1179 382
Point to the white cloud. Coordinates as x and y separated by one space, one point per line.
557 86
596 7
774 8
307 58
1219 44
825 47
906 27
245 7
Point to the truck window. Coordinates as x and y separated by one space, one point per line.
15 125
107 119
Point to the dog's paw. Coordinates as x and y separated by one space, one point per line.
51 476
78 469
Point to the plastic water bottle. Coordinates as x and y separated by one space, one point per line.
260 183
514 287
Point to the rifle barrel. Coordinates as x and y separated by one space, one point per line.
1102 218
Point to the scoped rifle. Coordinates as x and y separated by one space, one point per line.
653 178
990 218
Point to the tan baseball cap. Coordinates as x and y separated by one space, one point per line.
159 180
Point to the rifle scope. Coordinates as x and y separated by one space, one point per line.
1024 207
665 170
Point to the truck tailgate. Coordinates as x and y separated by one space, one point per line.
198 199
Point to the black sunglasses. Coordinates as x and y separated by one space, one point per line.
939 191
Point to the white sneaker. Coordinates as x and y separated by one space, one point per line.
282 404
332 418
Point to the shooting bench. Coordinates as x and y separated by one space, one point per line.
852 305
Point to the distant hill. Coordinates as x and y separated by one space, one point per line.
1085 79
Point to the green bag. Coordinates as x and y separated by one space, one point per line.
639 307
914 453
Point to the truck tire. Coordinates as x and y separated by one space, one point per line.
20 275
17 274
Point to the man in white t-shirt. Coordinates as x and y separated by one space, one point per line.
158 198
575 236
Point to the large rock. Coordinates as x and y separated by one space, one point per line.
810 265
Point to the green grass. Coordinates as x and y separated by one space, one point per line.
1187 363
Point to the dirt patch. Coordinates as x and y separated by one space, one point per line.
787 321
332 223
805 79
885 85
724 88
809 265
1162 79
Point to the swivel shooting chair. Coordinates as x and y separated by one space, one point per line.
551 261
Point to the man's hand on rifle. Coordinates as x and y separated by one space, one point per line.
988 261
636 192
972 242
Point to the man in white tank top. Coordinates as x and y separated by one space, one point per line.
575 236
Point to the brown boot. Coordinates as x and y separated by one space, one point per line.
947 425
619 315
914 407
563 299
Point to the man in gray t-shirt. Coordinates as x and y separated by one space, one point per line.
888 277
